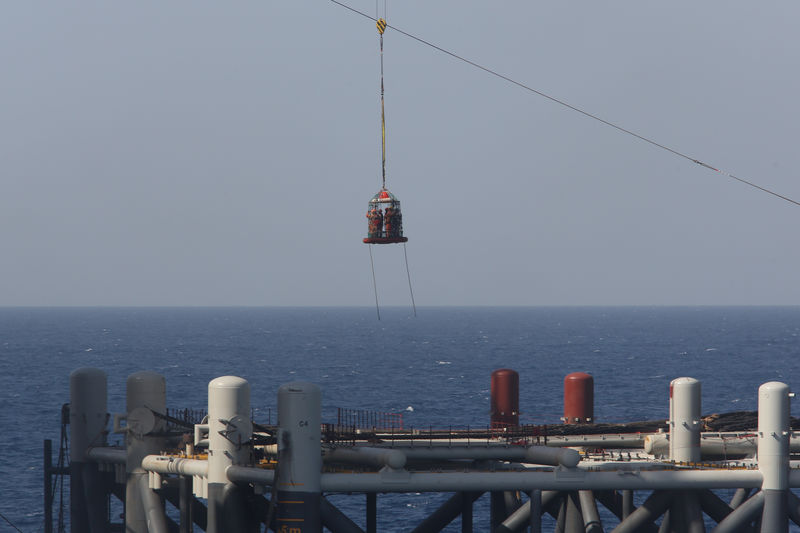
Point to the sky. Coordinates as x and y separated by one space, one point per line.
223 153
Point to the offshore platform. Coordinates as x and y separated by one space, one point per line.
221 471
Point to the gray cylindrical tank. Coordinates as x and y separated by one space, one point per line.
88 411
146 392
299 456
685 424
146 388
88 418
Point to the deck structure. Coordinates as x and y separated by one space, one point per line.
227 472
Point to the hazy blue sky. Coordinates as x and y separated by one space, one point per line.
222 153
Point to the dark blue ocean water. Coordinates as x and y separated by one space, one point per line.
434 368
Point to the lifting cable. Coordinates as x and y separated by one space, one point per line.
375 285
576 109
408 273
10 523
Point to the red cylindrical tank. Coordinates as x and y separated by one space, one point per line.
505 398
578 398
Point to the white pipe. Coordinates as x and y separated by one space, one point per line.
711 444
175 465
620 440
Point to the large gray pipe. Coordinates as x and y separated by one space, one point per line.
152 507
740 496
573 520
529 480
367 456
107 455
591 518
446 513
713 506
653 507
335 520
520 518
539 455
794 508
742 515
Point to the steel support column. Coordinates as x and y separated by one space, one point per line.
372 512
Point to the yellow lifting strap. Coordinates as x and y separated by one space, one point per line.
381 24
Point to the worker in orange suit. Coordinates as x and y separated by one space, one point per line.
388 221
379 223
372 224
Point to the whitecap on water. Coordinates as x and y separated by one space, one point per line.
443 363
410 409
711 349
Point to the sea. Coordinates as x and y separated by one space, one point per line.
433 368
